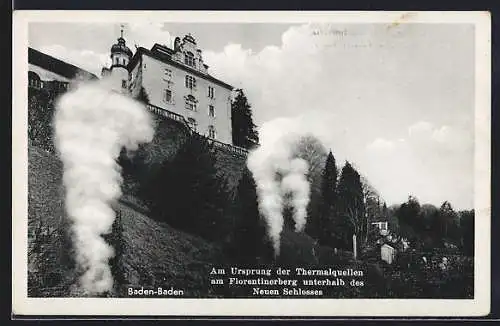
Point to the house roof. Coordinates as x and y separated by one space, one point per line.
163 54
56 66
388 245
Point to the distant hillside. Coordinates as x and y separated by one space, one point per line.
154 254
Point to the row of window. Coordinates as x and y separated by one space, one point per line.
37 83
51 85
189 82
211 129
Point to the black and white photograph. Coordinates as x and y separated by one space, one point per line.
297 160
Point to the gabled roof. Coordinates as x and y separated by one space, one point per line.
388 245
56 66
163 54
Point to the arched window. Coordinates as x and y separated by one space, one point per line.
189 59
192 123
211 132
34 80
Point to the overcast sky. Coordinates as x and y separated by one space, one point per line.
396 101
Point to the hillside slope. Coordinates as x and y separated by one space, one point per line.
159 255
168 138
154 254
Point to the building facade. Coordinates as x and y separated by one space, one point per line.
49 73
175 80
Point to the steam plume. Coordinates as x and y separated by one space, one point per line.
92 124
274 158
296 183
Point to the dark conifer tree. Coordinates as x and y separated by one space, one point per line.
323 228
187 192
250 233
244 130
351 214
408 215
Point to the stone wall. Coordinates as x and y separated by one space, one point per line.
169 137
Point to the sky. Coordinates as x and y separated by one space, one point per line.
397 101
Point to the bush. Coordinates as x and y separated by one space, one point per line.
188 194
115 240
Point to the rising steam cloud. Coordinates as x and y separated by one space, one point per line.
92 125
280 177
296 184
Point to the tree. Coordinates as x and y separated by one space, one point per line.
467 231
243 129
351 206
142 96
408 216
373 209
187 192
310 149
449 222
323 228
392 218
428 226
250 233
115 239
40 118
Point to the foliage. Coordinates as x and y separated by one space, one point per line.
244 130
449 223
467 227
428 227
409 219
373 211
310 149
115 239
40 116
323 229
187 192
352 218
142 96
250 238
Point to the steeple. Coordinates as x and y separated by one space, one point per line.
120 58
121 47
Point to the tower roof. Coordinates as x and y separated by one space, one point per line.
189 38
120 46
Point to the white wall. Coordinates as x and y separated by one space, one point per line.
387 253
135 79
46 75
155 85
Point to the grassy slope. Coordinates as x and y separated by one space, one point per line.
154 254
46 210
158 255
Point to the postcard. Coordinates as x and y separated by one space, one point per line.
205 163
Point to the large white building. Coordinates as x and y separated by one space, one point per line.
176 81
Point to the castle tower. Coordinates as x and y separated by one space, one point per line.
120 57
